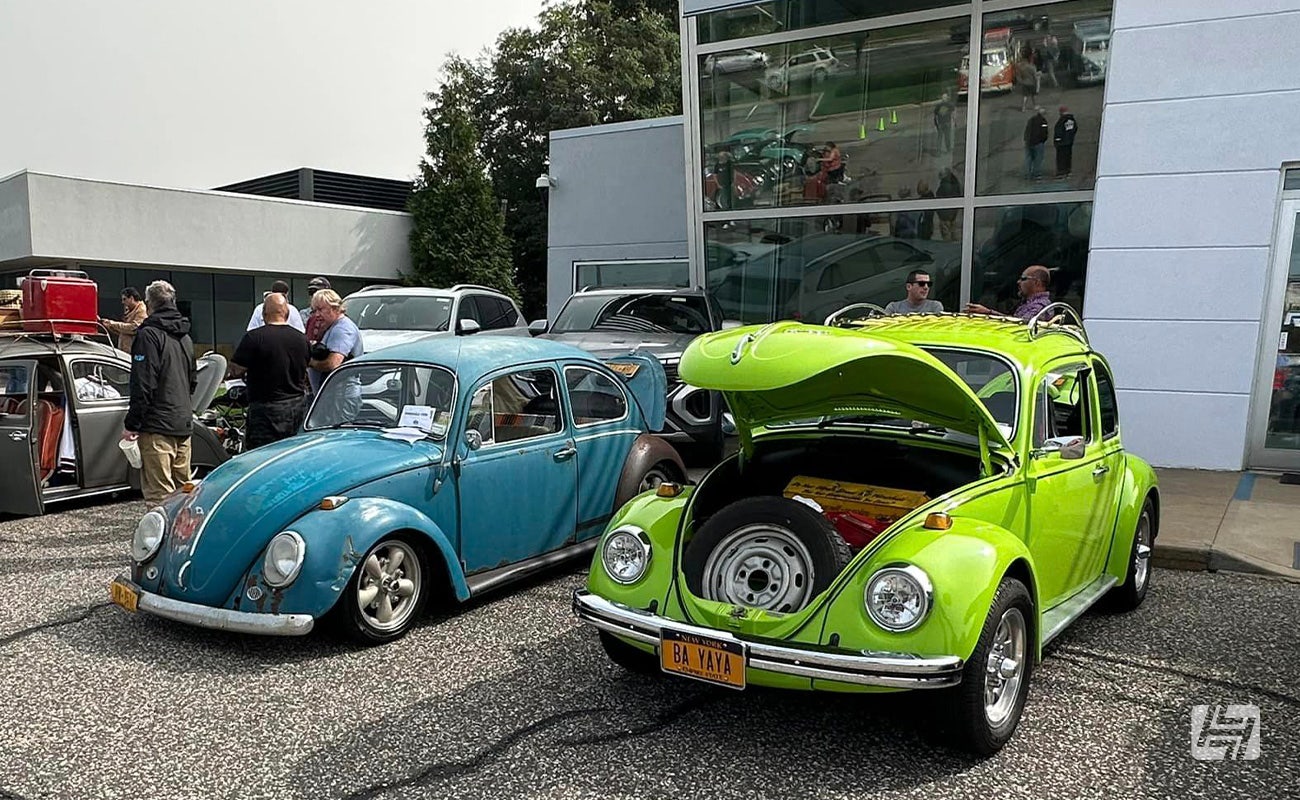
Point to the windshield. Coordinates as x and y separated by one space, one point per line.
655 313
386 396
399 312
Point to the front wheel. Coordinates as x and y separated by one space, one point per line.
387 592
986 706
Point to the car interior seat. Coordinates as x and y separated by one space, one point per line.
49 427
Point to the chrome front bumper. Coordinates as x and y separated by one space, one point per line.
867 668
223 619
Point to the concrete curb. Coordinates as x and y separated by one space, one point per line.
1202 559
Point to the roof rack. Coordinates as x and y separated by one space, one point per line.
841 319
11 330
372 287
1054 319
460 286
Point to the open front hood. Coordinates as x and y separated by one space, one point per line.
789 370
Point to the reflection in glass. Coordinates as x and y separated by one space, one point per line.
787 15
618 274
1041 88
1284 411
1009 239
194 290
656 312
864 117
808 268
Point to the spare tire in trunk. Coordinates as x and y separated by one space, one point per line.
764 552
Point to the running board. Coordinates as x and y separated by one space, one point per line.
491 579
1059 618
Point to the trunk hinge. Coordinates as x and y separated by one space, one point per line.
986 461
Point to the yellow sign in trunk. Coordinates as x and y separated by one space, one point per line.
860 498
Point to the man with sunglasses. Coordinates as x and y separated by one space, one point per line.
1032 285
918 296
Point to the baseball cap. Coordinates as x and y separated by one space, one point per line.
1063 109
318 283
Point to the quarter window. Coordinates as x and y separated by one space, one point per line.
594 397
1106 401
96 381
15 382
1062 406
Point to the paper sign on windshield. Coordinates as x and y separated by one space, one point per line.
420 417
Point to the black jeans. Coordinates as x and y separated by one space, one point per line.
1064 160
271 422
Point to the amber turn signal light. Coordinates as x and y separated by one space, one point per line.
668 489
938 521
332 502
188 486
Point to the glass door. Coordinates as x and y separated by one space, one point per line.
1275 429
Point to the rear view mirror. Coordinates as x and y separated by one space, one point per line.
473 439
467 327
537 327
1070 448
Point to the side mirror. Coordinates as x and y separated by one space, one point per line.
1070 448
473 439
537 327
467 327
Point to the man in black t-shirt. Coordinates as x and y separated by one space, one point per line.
273 360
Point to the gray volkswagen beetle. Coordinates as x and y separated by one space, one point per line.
63 401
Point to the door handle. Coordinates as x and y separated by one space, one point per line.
1101 469
565 454
17 436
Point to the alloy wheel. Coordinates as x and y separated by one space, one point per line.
1005 668
389 585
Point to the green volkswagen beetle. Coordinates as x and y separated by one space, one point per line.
918 502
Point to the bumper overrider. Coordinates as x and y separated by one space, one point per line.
202 616
867 668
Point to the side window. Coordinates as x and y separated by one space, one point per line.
509 317
15 383
524 405
850 269
95 380
1061 407
1106 401
593 397
480 414
496 312
469 310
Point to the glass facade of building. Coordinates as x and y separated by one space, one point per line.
844 145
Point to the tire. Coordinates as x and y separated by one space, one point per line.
361 620
661 472
1133 591
627 656
976 725
765 552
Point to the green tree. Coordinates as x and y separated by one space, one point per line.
587 62
457 233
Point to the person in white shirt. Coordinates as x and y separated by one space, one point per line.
295 319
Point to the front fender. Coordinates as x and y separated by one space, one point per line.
965 565
659 517
336 542
1139 482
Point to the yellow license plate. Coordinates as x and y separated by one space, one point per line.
625 369
125 596
706 659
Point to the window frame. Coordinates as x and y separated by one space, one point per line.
1043 402
627 401
79 401
1099 369
490 381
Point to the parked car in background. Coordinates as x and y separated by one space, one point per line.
389 315
608 322
997 70
63 402
1088 51
441 467
737 61
811 66
919 503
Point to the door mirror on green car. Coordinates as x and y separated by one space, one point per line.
1070 448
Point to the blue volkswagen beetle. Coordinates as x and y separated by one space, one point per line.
451 465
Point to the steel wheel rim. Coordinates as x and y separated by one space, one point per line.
389 585
1005 668
1142 554
651 480
760 566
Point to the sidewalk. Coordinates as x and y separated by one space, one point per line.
1239 521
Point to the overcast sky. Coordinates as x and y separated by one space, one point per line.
197 93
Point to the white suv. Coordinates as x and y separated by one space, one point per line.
815 65
389 315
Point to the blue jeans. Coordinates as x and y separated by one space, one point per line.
1034 160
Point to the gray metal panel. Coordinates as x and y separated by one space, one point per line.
15 218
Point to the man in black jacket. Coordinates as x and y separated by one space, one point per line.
1035 143
1063 139
163 377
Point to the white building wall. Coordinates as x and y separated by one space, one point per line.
1202 106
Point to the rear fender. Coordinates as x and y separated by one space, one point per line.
965 564
646 379
1139 483
645 452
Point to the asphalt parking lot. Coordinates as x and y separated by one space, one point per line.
508 697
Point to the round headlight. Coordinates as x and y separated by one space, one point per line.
898 597
626 554
283 559
149 535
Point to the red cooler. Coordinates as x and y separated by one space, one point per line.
67 296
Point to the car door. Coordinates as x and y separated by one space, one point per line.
598 407
1064 471
20 492
101 393
1111 480
518 489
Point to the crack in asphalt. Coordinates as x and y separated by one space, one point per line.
455 769
668 717
1082 655
79 615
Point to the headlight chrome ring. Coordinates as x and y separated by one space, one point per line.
625 554
149 533
283 560
898 597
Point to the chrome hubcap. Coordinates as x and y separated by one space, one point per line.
651 480
389 585
1142 556
1005 668
760 566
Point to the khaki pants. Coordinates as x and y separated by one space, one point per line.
164 464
